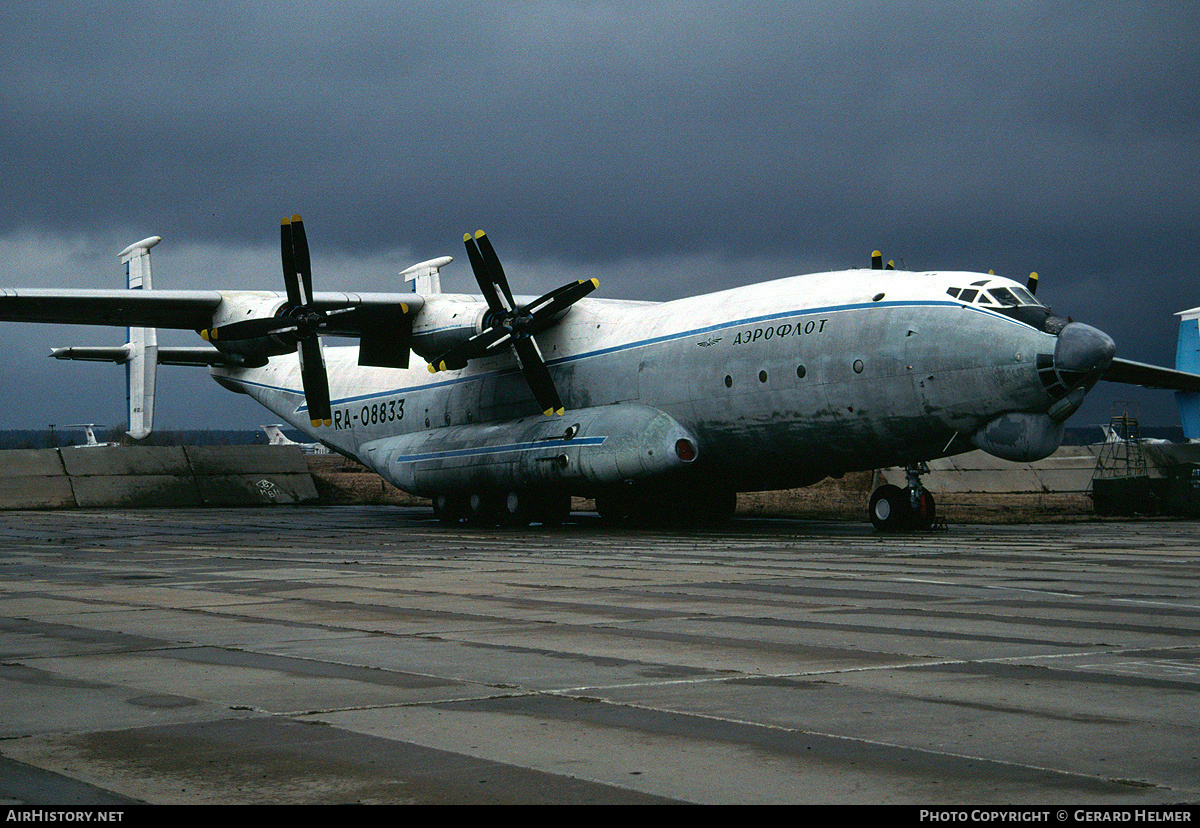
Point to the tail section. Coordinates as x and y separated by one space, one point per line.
1187 358
275 437
142 346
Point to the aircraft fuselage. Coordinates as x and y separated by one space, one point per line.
781 383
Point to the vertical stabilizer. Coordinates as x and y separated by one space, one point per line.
1187 358
142 345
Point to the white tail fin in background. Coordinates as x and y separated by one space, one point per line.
275 437
142 366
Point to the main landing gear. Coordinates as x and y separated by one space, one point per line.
894 509
503 508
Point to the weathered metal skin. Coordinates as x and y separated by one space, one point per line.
780 384
585 450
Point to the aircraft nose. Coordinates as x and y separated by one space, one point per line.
1082 354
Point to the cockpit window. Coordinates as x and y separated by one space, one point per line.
1004 296
1025 296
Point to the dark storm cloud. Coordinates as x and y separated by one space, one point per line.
1016 136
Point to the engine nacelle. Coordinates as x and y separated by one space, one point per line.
1020 437
446 320
243 305
586 449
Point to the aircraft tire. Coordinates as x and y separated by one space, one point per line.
449 509
516 508
613 506
891 509
552 509
483 509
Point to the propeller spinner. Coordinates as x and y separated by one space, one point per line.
513 326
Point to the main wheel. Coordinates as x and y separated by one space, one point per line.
449 509
516 508
890 509
483 509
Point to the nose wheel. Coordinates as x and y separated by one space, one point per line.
893 509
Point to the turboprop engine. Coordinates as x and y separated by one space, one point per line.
447 321
1081 355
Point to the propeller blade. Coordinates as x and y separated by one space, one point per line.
289 263
486 286
303 262
556 301
250 329
1032 283
538 376
478 345
494 269
316 382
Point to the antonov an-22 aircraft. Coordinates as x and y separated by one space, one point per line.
654 409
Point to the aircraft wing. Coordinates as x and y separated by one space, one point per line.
1151 376
182 309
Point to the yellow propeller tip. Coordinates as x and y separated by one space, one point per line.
295 218
595 283
204 335
316 423
479 234
466 237
285 220
432 369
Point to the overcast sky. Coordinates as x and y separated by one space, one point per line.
667 148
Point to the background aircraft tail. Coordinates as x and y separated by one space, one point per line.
142 345
1187 358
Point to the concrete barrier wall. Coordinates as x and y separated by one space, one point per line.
1068 471
127 476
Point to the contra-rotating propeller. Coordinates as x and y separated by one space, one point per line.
507 324
299 318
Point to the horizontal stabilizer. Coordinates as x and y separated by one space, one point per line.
120 354
1151 376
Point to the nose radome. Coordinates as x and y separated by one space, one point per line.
1082 354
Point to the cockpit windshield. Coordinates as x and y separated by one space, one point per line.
1009 296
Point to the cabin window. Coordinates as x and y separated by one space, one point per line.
968 295
954 292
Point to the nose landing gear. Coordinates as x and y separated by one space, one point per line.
894 509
